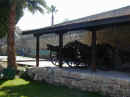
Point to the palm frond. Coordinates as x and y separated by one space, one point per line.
52 9
36 5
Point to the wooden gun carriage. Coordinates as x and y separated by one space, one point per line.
73 54
78 54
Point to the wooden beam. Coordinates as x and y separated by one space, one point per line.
93 60
37 51
60 49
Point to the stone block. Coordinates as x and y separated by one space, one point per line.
86 81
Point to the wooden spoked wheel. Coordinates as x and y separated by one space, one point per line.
73 63
54 59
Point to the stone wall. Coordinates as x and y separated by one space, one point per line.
113 84
116 35
28 42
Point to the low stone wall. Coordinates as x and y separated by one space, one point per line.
114 84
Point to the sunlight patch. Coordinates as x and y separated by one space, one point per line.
14 82
2 93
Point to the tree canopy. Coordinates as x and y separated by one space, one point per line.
31 5
3 22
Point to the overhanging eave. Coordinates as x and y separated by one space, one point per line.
92 25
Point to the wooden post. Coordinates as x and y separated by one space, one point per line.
60 49
37 51
93 61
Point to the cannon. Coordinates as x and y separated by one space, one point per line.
77 54
74 54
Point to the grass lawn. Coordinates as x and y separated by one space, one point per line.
21 88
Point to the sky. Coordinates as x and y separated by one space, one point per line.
68 10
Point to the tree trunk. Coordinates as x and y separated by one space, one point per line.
11 37
52 18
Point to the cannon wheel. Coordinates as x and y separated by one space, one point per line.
72 64
54 59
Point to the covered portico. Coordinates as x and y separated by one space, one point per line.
93 26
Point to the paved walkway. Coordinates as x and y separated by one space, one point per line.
31 62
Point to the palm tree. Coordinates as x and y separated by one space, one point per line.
15 13
52 10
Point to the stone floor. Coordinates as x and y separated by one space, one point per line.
45 63
31 62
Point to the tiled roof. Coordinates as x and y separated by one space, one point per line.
109 14
115 16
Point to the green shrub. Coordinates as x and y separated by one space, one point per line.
8 74
25 76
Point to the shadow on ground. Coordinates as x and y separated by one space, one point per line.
2 81
33 89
